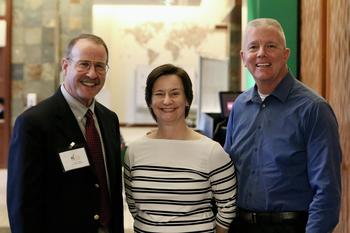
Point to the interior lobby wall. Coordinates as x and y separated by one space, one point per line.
41 29
159 35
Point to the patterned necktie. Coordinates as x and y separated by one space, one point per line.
96 155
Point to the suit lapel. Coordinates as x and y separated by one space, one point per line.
66 122
105 125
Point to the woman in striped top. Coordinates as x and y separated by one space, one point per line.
173 173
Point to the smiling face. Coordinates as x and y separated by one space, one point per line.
84 85
168 100
265 55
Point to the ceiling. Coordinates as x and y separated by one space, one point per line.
150 2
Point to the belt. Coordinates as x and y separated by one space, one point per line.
271 217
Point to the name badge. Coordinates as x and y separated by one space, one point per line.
74 159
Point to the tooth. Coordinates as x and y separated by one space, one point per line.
263 65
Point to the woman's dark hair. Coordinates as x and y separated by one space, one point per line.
168 69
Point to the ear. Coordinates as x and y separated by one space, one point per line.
286 54
241 53
64 65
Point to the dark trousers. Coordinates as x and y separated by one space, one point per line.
238 226
269 222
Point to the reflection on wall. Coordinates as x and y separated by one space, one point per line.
158 35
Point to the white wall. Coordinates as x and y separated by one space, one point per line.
143 37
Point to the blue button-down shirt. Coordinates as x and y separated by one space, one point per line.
287 153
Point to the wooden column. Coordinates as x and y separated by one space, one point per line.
312 44
5 86
325 67
338 91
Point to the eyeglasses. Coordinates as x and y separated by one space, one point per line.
85 65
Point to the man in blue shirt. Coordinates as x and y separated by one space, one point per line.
284 141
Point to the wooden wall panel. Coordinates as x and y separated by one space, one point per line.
338 91
325 67
311 44
5 86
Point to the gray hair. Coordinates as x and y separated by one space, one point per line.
96 39
266 22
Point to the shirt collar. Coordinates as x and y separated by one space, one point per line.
283 88
281 92
252 96
79 110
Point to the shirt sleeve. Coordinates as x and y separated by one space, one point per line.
228 141
223 184
323 164
128 184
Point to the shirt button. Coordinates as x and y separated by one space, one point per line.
264 105
96 217
97 186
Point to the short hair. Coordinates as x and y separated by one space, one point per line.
91 37
168 69
269 22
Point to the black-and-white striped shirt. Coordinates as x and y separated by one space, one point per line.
170 185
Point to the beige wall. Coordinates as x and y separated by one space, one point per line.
158 35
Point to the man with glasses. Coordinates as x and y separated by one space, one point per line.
64 168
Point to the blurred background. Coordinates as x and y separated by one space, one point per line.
202 36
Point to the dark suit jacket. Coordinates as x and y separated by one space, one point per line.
41 197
